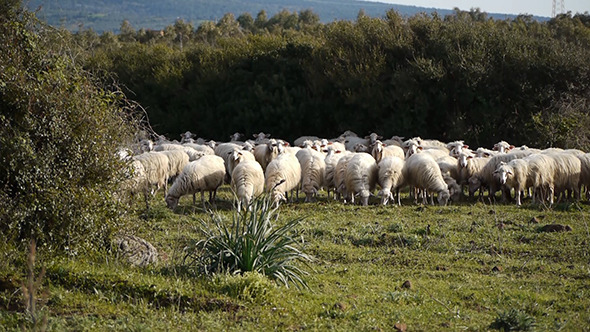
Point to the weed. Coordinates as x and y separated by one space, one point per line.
513 320
251 243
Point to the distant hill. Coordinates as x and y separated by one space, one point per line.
107 15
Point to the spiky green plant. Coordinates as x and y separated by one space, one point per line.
251 243
513 320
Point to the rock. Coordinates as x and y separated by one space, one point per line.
407 284
138 251
555 228
401 327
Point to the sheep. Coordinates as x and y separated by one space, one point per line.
261 138
361 177
339 176
394 140
167 147
236 137
237 156
193 154
541 170
390 179
156 168
360 147
299 141
265 153
331 160
413 145
205 174
567 172
336 146
200 147
503 147
247 182
313 169
225 150
350 143
177 159
456 147
283 174
469 166
485 177
585 172
421 171
381 151
515 175
136 181
485 153
186 137
448 165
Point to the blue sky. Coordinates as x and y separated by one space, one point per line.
534 7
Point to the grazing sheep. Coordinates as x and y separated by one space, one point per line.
205 174
156 168
421 171
390 179
448 165
313 169
568 168
177 159
282 175
361 177
381 151
247 181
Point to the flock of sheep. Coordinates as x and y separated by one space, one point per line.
351 167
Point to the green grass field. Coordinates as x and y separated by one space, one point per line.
468 266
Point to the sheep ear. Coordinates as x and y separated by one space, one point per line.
469 157
465 146
420 148
511 147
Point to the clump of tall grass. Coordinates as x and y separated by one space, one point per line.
513 320
253 242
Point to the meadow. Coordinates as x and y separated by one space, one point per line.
472 265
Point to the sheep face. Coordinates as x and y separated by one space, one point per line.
474 185
171 202
385 195
503 173
443 197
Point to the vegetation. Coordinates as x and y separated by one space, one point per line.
250 244
462 76
469 266
58 137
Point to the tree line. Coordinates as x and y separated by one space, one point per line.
462 76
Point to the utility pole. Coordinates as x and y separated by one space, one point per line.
554 7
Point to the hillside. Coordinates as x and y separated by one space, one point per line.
107 15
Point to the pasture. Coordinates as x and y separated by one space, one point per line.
472 265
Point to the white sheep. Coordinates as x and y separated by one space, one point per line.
225 150
351 142
200 147
265 153
503 147
585 172
361 177
468 166
156 168
485 153
339 176
515 175
421 171
247 182
331 160
283 174
456 147
381 151
177 159
300 140
313 169
567 172
205 174
485 177
390 179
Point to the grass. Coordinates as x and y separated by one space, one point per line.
472 266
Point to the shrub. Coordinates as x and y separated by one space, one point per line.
58 136
251 243
513 320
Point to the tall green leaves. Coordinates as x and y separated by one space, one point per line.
251 243
58 136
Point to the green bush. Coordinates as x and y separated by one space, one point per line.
59 133
250 244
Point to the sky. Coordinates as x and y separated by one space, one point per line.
534 7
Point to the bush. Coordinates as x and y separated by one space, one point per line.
58 136
513 320
251 243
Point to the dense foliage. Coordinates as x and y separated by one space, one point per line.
464 76
58 136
